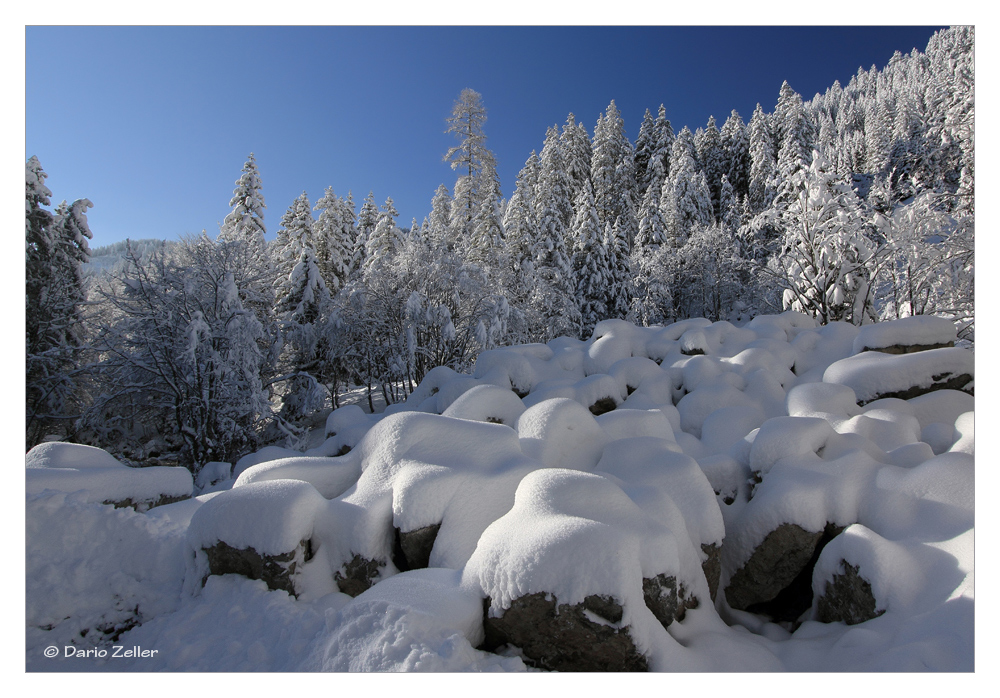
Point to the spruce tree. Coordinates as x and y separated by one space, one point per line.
55 248
763 166
590 262
334 233
736 145
577 153
246 221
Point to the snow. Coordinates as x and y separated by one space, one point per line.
272 517
536 494
330 476
65 467
570 534
873 373
487 403
561 433
917 330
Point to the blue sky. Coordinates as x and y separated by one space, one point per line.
153 124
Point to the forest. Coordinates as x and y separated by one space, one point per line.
855 206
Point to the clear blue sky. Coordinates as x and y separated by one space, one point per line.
153 124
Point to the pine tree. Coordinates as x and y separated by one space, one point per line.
712 160
645 144
488 232
590 262
794 133
577 154
659 160
612 171
439 222
246 220
736 145
521 230
554 299
685 199
55 248
619 290
295 234
384 242
367 218
301 307
651 238
334 233
763 166
553 177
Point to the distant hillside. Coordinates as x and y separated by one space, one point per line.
107 257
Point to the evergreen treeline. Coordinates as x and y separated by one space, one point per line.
855 206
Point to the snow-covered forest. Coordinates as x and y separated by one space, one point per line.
856 206
740 355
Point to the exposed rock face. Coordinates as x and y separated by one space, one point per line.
358 575
412 549
274 570
145 505
908 348
667 600
712 566
848 598
777 579
605 404
942 381
582 637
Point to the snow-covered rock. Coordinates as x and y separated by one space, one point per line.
68 467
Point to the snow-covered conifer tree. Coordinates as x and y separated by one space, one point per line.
246 220
472 159
577 153
736 144
295 234
367 218
384 241
55 248
334 233
612 171
439 222
763 165
590 262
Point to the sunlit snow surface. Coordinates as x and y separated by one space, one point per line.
704 434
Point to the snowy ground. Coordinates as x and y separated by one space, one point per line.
570 469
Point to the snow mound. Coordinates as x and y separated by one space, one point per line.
487 403
571 534
272 517
58 454
910 332
421 470
873 375
561 433
66 467
760 497
330 476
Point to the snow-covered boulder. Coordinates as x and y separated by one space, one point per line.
68 467
430 485
875 375
907 335
578 576
487 403
269 531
